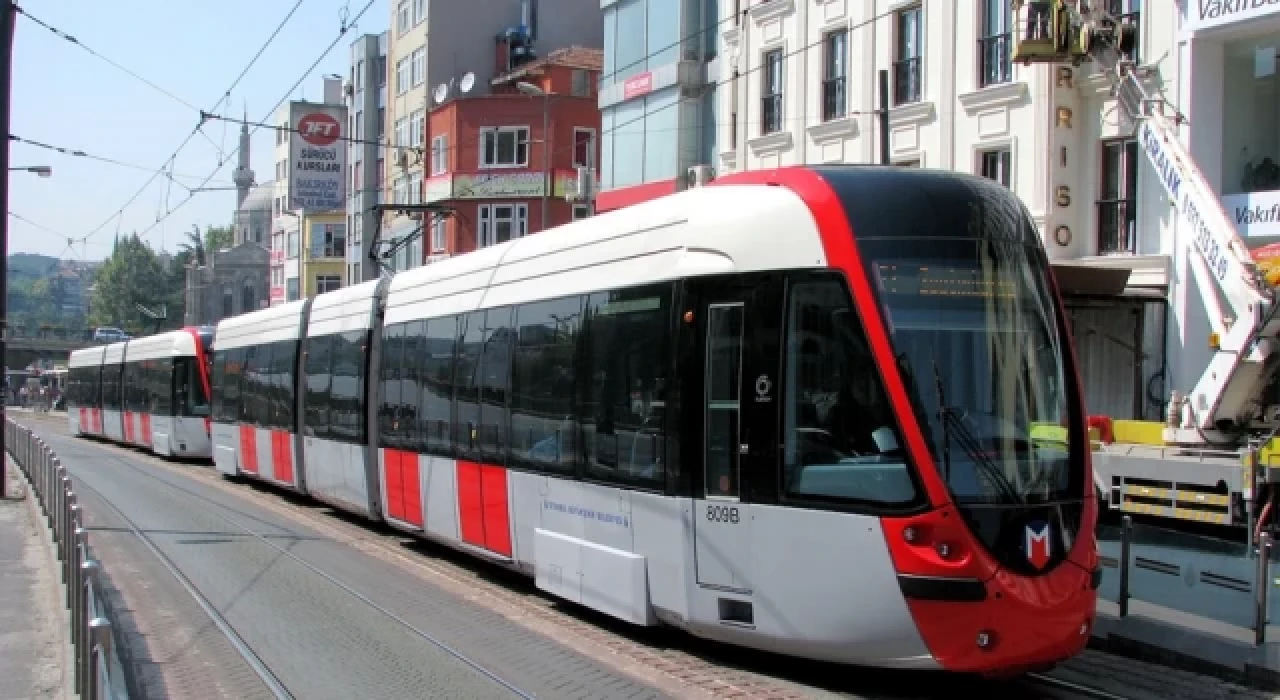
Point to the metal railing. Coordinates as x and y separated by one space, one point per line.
91 637
1199 576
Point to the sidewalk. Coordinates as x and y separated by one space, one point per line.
1188 642
34 638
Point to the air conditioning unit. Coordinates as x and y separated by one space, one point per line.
700 175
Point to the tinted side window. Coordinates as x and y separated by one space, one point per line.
346 398
283 363
840 440
218 377
494 383
197 398
437 384
163 376
317 372
411 386
231 386
389 386
623 380
544 432
257 367
466 381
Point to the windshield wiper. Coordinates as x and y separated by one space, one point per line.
949 416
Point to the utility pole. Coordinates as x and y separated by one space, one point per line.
8 18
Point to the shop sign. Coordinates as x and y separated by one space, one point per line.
317 157
485 185
1200 15
1255 214
637 85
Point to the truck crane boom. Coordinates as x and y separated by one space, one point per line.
1219 421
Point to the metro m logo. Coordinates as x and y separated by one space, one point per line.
1038 544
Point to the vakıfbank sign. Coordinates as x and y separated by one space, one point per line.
1211 14
317 157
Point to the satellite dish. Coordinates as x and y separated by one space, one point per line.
441 92
468 82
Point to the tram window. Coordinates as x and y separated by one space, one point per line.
233 376
494 384
622 379
346 394
441 339
169 375
198 399
411 386
319 360
218 378
841 441
466 411
544 431
389 385
257 364
284 357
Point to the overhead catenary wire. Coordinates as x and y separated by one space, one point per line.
346 26
67 151
119 213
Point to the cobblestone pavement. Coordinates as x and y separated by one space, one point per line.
563 650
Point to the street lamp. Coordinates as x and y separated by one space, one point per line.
535 91
41 170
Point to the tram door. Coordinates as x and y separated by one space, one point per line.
733 413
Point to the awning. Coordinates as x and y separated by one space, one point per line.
1074 278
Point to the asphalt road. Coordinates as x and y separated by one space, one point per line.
326 606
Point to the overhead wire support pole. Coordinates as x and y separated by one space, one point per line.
8 18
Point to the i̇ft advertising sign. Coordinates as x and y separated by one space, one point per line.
317 157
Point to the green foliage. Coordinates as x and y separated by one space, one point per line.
218 237
132 275
38 292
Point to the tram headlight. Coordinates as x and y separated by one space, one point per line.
943 549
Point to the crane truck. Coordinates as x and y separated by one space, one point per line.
1214 457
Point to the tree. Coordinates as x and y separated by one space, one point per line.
194 246
131 276
218 237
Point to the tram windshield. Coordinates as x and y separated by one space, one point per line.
973 326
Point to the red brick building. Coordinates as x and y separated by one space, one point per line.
486 153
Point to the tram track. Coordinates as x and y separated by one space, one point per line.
834 682
272 682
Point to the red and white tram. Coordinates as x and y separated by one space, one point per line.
151 392
830 412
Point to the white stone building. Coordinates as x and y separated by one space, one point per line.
806 91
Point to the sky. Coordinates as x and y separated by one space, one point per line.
66 97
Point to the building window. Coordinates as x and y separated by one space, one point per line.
771 101
1129 12
328 240
293 245
228 303
500 223
419 11
415 188
907 56
359 76
402 17
402 76
994 164
835 59
418 66
328 283
584 147
417 128
357 176
506 146
581 211
993 48
382 123
400 190
1117 206
291 289
581 83
400 138
439 234
382 71
248 298
440 154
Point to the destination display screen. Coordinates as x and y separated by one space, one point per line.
930 279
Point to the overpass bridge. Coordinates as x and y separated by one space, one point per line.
22 347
